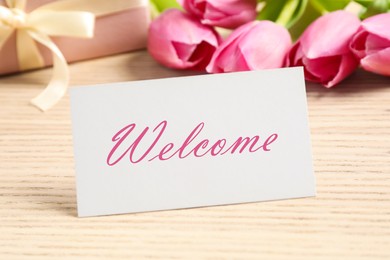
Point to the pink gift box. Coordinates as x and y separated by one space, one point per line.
115 33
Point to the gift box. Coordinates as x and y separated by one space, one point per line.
117 32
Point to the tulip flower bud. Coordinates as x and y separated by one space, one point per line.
323 48
227 13
178 40
372 44
253 46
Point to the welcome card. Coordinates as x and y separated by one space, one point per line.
191 141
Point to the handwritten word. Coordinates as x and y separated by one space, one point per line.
189 147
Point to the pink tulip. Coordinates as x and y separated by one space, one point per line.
253 46
323 49
372 44
177 40
222 13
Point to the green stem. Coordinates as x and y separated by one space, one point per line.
288 10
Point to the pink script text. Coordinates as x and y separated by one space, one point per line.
189 147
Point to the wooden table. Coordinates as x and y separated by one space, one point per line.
349 218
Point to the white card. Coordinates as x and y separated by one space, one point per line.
191 141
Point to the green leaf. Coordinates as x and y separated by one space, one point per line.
284 12
308 16
271 9
376 7
364 3
154 12
299 11
325 6
162 5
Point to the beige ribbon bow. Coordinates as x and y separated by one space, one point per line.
73 18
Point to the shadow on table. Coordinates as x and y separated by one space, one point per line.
46 196
359 82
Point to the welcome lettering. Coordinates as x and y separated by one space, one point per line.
189 147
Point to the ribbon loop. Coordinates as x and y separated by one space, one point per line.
13 18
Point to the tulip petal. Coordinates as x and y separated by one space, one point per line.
378 62
376 43
295 55
183 28
164 52
211 13
196 7
202 55
228 59
379 25
330 71
323 69
265 46
183 50
349 63
358 43
329 35
235 61
233 21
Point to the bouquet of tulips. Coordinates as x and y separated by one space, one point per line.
333 37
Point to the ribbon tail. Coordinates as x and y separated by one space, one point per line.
59 82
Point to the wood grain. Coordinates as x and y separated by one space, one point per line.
349 218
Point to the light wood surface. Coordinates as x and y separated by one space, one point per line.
349 218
